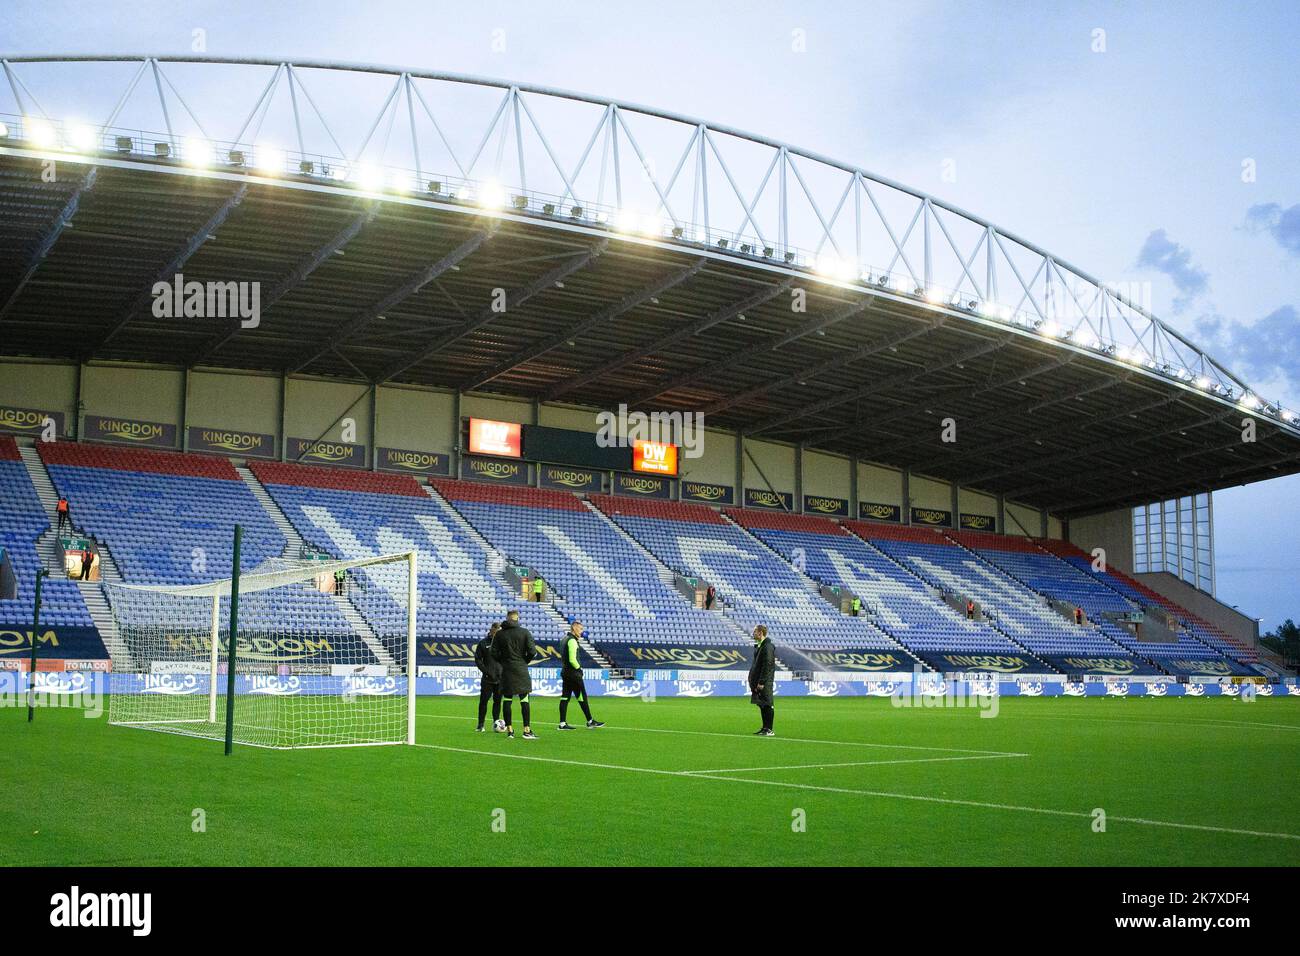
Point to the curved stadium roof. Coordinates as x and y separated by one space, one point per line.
646 257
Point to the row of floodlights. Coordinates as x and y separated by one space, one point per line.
199 153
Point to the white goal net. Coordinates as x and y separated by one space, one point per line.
310 669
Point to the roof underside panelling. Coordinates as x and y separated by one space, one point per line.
369 290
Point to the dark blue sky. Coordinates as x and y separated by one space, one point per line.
1127 160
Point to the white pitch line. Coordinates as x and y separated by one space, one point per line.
881 794
797 740
856 763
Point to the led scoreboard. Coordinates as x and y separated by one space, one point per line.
565 446
654 458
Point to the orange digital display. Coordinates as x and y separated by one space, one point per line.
654 458
503 439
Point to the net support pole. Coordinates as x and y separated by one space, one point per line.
212 662
412 601
41 574
230 651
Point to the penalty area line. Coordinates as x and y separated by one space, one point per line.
878 794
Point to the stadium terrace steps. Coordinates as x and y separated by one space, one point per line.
808 581
666 574
92 592
26 529
460 594
1141 595
754 578
496 561
294 543
295 546
1018 614
607 581
48 544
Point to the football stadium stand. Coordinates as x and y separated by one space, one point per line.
168 518
1026 617
895 601
623 596
1142 597
354 514
757 583
22 523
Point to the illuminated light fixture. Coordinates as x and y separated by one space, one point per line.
627 221
336 173
4 131
1288 416
934 296
1050 329
492 196
1203 383
269 159
40 132
81 138
519 202
162 150
370 178
196 152
1250 402
397 181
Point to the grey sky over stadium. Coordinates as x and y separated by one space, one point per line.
1152 143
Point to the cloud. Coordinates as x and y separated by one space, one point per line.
1282 224
1162 254
1264 351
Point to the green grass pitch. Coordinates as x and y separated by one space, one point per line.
681 782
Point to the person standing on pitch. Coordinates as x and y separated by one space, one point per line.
571 675
490 682
762 674
513 649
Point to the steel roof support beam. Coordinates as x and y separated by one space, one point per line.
1109 443
745 356
169 271
871 348
608 314
51 236
983 389
514 299
355 323
1066 455
902 378
765 294
295 278
1026 408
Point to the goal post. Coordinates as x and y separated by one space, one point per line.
312 667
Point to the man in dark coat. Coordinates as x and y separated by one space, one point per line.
490 682
762 675
513 649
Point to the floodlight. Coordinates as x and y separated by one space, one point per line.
269 159
40 132
82 139
196 152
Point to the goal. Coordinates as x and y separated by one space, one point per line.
312 667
